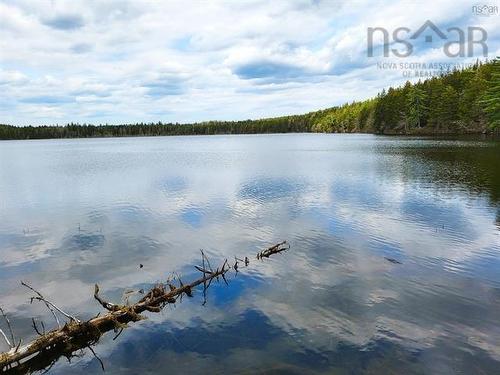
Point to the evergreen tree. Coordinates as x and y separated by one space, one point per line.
491 98
448 111
436 92
415 104
470 106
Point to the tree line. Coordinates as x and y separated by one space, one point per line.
457 101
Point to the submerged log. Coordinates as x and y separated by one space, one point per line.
75 335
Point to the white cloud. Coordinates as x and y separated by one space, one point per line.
125 61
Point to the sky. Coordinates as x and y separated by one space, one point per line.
186 61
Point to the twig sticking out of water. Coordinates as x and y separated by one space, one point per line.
49 305
35 327
278 248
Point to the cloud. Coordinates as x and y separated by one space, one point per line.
81 47
164 86
65 22
268 69
12 78
47 99
210 61
96 93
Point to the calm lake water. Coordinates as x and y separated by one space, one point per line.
77 212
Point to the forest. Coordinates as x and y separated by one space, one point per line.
455 102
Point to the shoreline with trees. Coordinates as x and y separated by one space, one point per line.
458 102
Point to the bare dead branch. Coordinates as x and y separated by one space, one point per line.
18 345
5 338
203 270
70 317
204 282
35 327
6 318
206 260
48 303
106 305
278 248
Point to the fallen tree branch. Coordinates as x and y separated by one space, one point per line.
75 335
278 248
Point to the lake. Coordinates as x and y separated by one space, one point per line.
394 266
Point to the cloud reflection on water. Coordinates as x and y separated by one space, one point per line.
332 303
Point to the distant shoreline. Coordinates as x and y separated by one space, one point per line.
495 134
458 102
